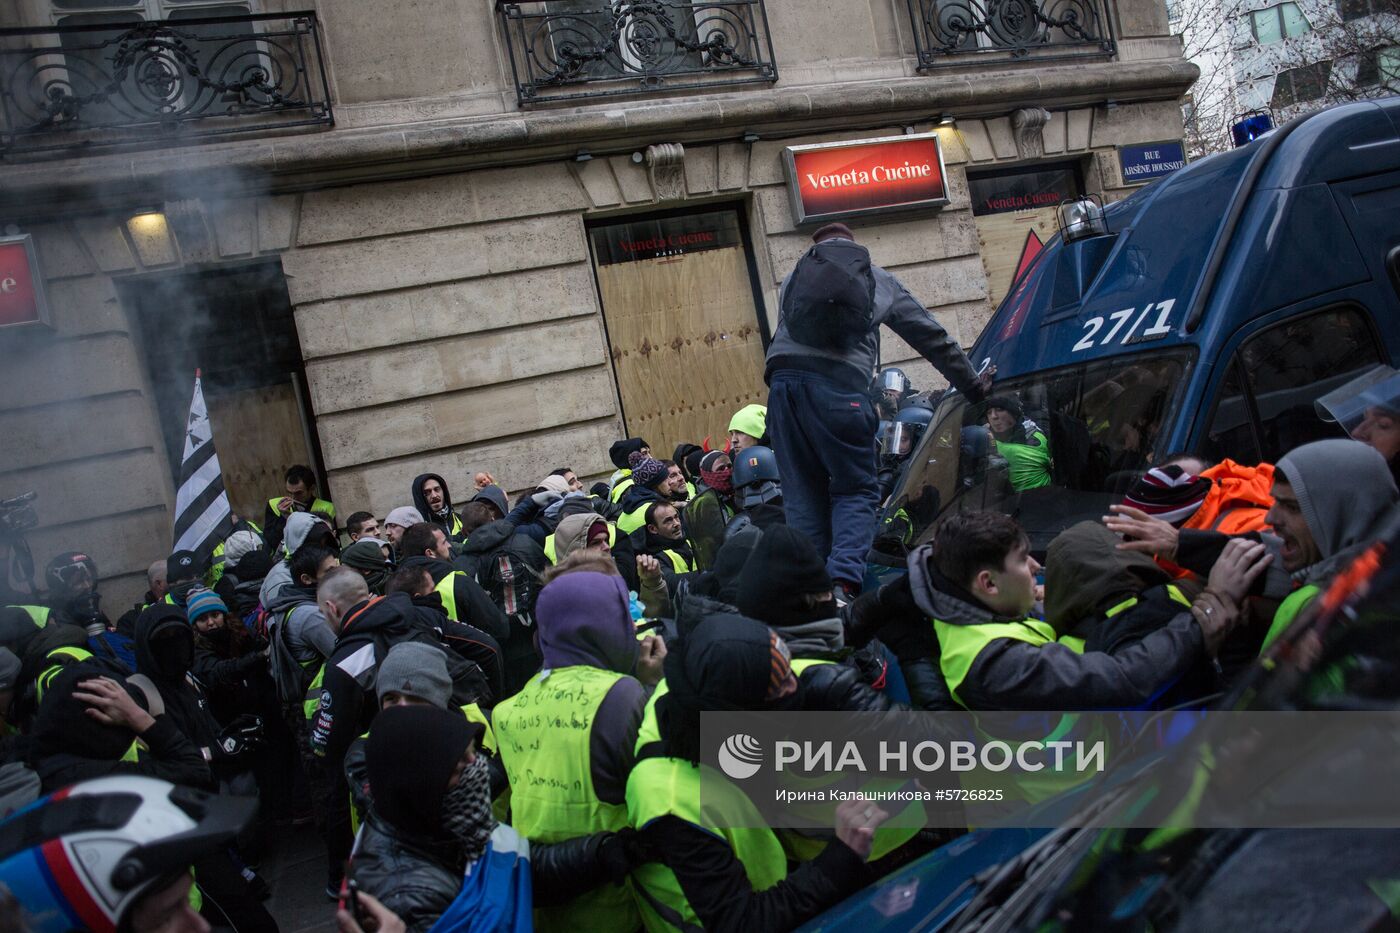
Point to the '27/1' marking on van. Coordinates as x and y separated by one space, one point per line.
1159 329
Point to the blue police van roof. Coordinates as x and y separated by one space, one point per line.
1188 258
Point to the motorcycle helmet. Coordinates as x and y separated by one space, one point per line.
70 574
81 858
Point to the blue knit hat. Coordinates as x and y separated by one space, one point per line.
202 602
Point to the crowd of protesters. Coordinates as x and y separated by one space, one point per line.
490 709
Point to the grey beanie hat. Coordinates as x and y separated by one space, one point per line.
417 670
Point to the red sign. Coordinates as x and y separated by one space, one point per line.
832 181
21 288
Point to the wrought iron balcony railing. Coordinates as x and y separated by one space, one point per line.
570 49
159 82
947 32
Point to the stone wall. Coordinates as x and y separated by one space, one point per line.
449 323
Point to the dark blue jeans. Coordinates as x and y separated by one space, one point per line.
824 439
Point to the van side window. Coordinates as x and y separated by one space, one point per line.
1231 435
1284 370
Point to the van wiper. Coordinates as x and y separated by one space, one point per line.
992 882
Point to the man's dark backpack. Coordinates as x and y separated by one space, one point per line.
829 303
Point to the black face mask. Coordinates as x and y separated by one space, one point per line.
180 592
173 655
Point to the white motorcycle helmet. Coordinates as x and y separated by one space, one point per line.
81 858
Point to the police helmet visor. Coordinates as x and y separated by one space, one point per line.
1350 404
903 436
892 380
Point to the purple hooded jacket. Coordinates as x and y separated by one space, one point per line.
582 618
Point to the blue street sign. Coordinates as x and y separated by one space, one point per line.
1151 161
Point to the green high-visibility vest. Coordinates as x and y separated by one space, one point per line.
1288 611
660 787
216 566
39 615
624 483
447 589
631 521
323 507
1030 464
56 661
959 645
678 563
312 699
649 732
543 735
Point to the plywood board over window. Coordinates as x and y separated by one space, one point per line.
1012 205
682 323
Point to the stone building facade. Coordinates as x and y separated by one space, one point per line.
437 251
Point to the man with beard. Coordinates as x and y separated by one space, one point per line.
662 538
1331 500
301 497
397 522
434 503
676 488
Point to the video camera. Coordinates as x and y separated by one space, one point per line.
17 513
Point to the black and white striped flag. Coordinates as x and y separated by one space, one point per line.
203 516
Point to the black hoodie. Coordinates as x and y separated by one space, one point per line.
165 654
473 605
444 517
67 745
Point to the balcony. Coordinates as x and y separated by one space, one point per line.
953 32
159 82
574 49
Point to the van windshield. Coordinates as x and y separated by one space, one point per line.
1049 449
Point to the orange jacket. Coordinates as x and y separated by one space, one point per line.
1238 500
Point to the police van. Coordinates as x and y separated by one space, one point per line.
1204 313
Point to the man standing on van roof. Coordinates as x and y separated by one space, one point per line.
819 366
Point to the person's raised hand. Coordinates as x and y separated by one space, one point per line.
648 569
110 704
483 479
1237 567
1141 532
651 658
284 505
984 379
856 821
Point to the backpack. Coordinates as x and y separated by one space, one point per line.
511 582
291 678
829 302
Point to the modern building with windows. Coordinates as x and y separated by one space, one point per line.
1296 56
462 235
